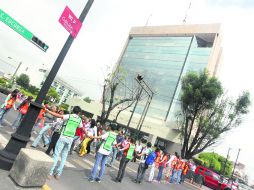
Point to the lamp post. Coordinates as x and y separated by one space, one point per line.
20 138
148 90
234 167
15 72
224 168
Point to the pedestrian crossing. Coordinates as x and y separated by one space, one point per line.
77 161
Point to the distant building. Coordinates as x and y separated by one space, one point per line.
163 55
64 90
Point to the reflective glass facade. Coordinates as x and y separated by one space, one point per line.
162 61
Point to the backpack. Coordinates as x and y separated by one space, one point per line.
151 158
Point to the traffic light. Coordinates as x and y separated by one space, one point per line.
40 43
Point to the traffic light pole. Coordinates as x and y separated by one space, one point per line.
20 138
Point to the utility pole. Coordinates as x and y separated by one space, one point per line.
20 138
224 168
14 74
232 175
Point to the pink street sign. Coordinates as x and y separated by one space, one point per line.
70 22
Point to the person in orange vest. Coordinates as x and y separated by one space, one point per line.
22 108
185 168
179 170
174 166
8 104
162 164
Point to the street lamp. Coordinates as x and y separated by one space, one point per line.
150 93
15 72
232 175
20 138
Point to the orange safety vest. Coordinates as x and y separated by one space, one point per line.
185 168
41 114
24 108
174 162
165 159
10 103
178 164
157 160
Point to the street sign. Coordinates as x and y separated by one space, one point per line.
13 24
5 18
70 22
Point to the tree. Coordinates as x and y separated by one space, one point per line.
52 95
23 81
216 162
3 82
206 112
33 89
65 106
109 98
87 99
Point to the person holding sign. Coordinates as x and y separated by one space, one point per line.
128 152
109 140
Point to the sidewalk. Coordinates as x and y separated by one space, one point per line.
8 184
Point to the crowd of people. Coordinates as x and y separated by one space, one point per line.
64 133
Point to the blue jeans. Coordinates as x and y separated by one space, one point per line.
63 147
159 176
43 135
17 121
173 176
2 113
100 159
179 173
113 153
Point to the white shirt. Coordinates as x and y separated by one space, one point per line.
138 148
101 149
171 159
147 151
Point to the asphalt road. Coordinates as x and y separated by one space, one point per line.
77 169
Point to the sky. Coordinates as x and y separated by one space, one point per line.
105 31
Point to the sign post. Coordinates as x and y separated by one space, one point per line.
20 138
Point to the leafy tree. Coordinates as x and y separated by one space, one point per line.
64 106
87 99
52 93
3 82
33 89
216 163
23 81
206 112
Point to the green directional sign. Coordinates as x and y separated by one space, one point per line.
13 24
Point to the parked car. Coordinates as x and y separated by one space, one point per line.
212 179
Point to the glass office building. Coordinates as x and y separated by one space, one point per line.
163 55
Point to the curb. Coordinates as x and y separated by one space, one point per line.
190 184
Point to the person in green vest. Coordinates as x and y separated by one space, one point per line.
108 140
128 152
70 123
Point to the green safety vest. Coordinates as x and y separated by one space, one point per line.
130 152
71 126
109 141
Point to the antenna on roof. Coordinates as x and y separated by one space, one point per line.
148 19
186 13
